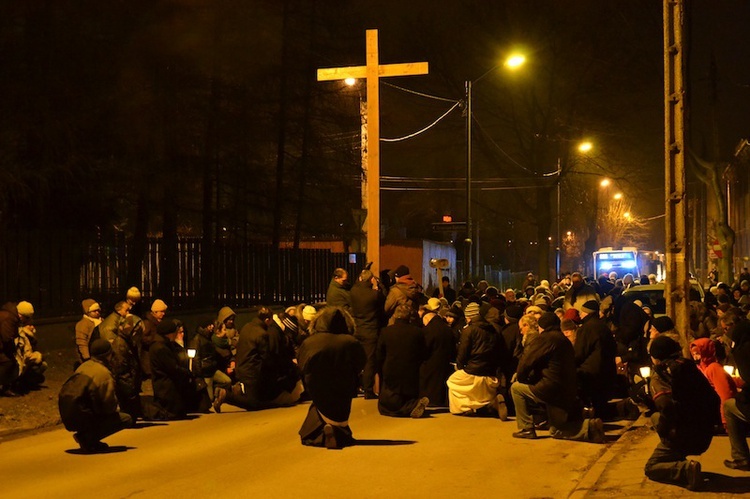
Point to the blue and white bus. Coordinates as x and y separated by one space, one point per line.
628 260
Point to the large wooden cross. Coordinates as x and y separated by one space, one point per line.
373 71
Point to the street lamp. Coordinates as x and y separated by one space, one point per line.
513 62
583 147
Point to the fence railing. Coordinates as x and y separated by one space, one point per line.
55 271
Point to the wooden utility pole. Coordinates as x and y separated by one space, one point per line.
373 71
677 285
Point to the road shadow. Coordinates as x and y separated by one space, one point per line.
438 410
114 449
725 484
146 424
381 442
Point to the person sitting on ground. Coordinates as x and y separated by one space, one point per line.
401 350
10 321
440 352
688 409
547 377
330 360
87 401
265 370
31 364
85 327
473 387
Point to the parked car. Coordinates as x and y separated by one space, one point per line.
652 295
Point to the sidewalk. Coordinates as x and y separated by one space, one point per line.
619 472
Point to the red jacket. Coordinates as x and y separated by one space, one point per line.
720 380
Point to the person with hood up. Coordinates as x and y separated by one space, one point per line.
330 360
85 327
224 338
703 351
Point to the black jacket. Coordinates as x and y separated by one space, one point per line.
265 361
595 350
338 296
687 404
206 361
479 349
548 365
436 369
174 390
367 309
330 365
400 353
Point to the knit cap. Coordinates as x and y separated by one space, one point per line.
472 310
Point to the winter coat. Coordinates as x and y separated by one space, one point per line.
108 327
631 334
688 406
338 296
719 379
595 350
265 361
548 365
367 309
330 365
401 293
232 334
174 390
479 349
125 363
436 368
400 352
741 352
84 328
87 395
205 363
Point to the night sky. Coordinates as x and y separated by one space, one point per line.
102 102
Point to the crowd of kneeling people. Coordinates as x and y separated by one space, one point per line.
561 358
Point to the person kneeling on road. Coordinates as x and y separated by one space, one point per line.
330 360
688 410
87 401
547 376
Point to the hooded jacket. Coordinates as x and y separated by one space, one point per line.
721 382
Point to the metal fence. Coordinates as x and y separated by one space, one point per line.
55 271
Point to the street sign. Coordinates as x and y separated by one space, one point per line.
449 226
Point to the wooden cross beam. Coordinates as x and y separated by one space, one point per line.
373 71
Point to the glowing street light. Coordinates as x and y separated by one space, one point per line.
585 146
513 62
605 182
350 81
618 196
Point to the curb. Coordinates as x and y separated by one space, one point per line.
592 476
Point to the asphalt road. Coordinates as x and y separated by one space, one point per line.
259 453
